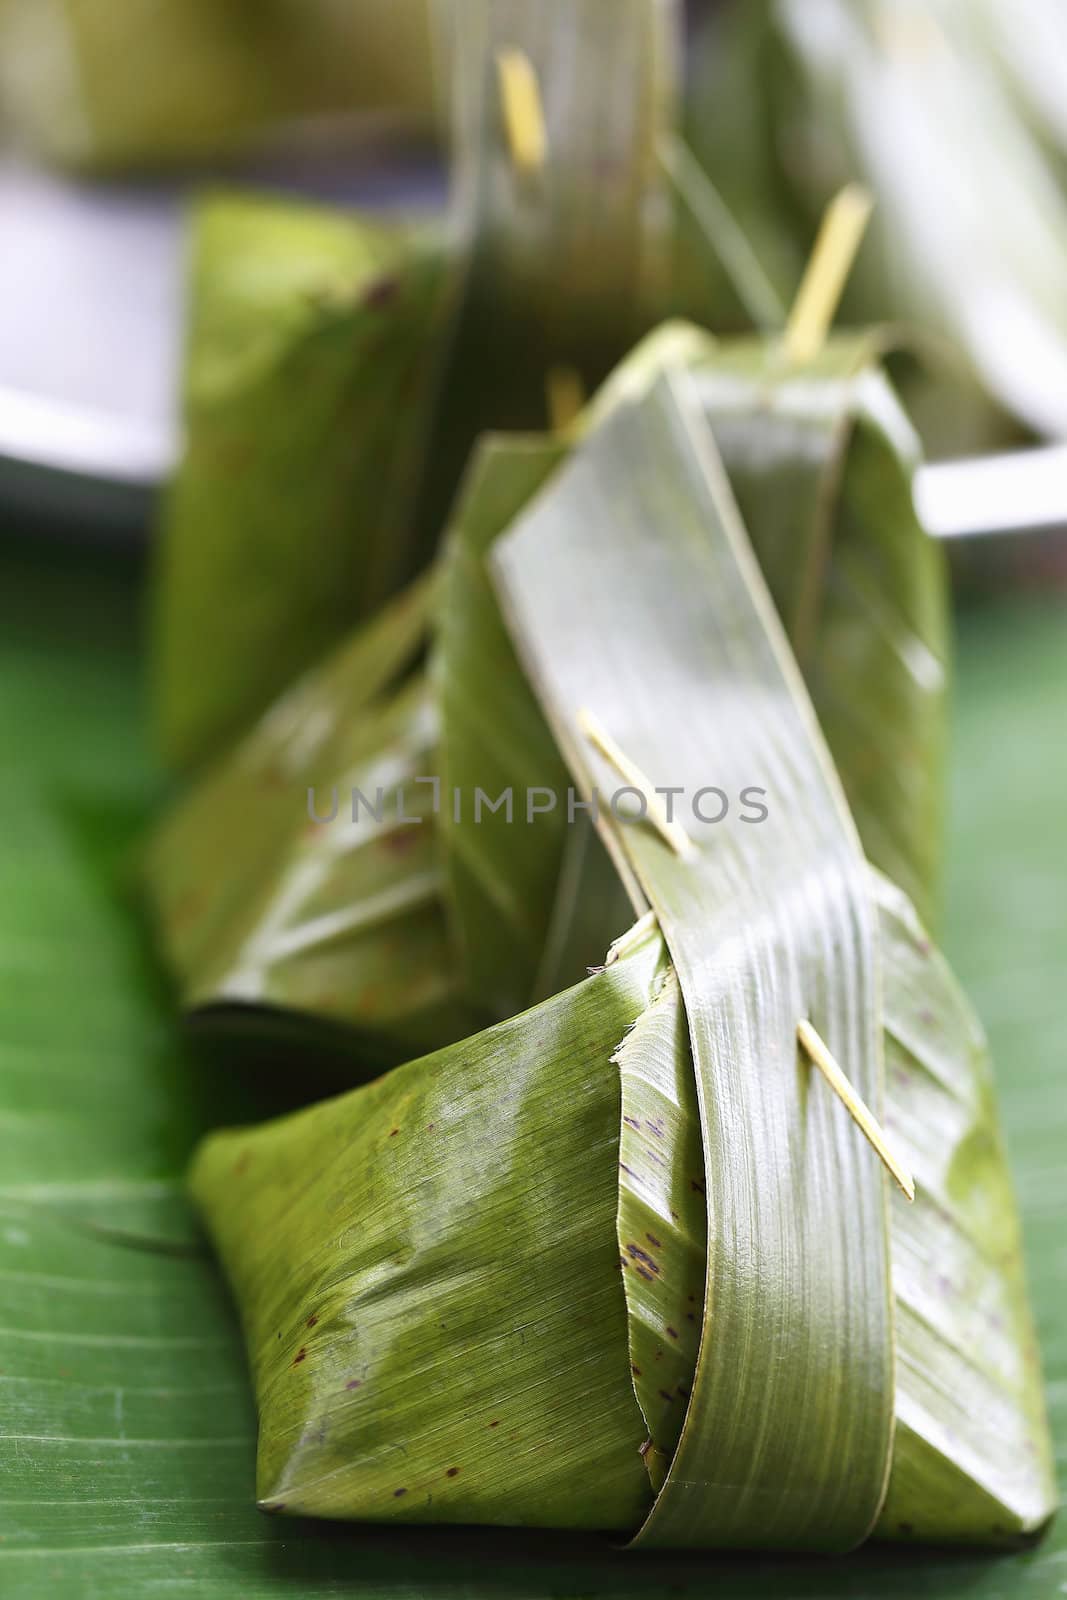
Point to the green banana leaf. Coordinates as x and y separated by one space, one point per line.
298 882
568 260
309 375
965 1339
365 322
97 1354
376 1268
572 261
500 876
821 460
94 86
624 499
920 100
655 622
429 1282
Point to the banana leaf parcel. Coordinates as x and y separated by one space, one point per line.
624 1261
821 459
309 379
340 367
790 99
271 917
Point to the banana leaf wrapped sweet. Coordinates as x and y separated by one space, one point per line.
821 459
267 913
309 379
790 99
626 1261
565 241
340 369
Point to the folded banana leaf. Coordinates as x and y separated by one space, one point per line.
560 205
421 1352
970 1460
309 375
1028 46
298 883
821 459
920 100
563 264
95 86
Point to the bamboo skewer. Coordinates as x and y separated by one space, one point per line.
524 117
840 233
671 832
818 1053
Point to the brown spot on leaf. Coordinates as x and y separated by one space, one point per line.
393 1132
398 1492
312 1321
354 1383
381 293
665 1396
453 1472
399 841
636 1371
656 1244
672 1333
696 1185
300 1354
495 1424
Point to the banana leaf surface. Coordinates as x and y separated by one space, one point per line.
657 624
127 1437
923 103
821 460
309 378
298 877
394 337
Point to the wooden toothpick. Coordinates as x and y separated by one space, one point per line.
672 832
564 396
826 273
817 1052
524 117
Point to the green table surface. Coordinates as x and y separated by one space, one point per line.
98 1103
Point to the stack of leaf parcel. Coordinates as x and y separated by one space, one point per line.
622 800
